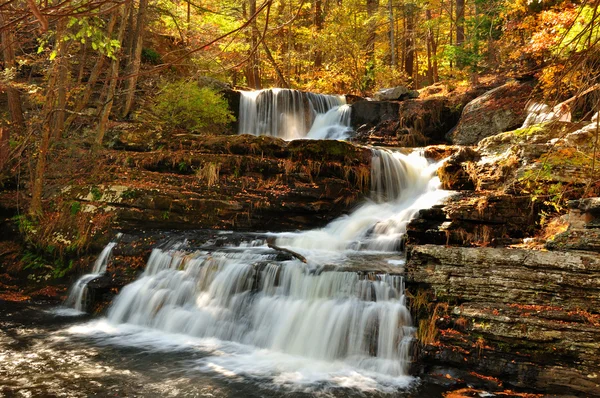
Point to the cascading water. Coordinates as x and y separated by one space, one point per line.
360 319
294 323
541 113
293 114
77 295
332 125
401 185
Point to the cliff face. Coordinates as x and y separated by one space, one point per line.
528 318
236 182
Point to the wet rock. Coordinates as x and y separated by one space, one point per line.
529 318
372 112
498 110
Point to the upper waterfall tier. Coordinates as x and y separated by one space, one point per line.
293 114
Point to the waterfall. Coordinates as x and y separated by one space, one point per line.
401 185
78 292
293 114
540 113
330 320
359 319
332 125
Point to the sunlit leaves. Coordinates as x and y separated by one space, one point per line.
90 30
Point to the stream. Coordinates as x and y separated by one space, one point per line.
44 354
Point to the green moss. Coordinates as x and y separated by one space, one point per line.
96 193
567 157
130 194
75 207
529 131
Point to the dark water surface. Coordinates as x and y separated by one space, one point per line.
40 356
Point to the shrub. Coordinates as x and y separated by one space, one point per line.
150 56
184 105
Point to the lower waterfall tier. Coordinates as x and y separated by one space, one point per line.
360 319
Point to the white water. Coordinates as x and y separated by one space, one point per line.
292 323
77 296
360 320
540 113
332 125
293 114
401 185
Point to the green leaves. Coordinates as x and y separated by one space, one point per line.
83 30
183 104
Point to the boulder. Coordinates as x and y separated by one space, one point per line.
498 110
390 94
372 112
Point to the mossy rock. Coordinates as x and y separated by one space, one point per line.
328 150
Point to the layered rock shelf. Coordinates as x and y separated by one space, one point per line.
527 317
237 182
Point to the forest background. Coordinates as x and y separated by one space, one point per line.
70 67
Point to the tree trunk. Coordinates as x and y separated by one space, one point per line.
83 53
430 48
14 98
392 35
112 86
128 43
452 26
4 147
35 205
253 69
372 7
136 61
94 76
460 22
280 76
53 105
58 119
318 22
409 59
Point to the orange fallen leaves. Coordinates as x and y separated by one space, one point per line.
13 296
